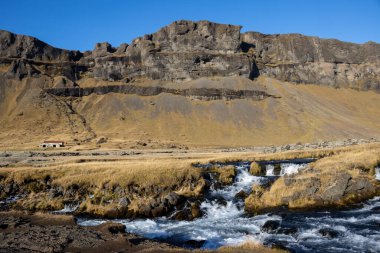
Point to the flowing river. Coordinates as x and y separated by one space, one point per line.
225 223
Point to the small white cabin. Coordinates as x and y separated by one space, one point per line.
52 144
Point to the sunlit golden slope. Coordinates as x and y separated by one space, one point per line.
299 113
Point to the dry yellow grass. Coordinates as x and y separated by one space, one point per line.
226 174
304 113
167 170
143 173
294 191
295 154
248 247
140 181
100 176
366 159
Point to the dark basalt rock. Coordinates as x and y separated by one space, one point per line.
195 93
20 69
116 228
194 244
103 49
241 194
288 230
304 59
328 232
27 47
270 226
186 50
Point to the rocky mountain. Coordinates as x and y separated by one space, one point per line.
190 83
186 50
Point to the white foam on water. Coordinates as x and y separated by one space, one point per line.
291 168
362 243
68 208
377 171
150 228
218 230
286 169
369 205
269 170
220 225
243 181
218 211
225 224
90 222
11 199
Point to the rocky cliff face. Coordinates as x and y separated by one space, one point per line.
186 50
303 59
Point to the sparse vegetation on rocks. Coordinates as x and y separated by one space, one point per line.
332 182
256 169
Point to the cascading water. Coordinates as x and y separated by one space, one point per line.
224 222
68 208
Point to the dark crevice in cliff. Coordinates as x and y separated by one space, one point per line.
255 72
196 93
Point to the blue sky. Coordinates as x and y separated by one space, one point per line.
75 24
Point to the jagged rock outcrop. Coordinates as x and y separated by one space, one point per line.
304 59
186 50
27 47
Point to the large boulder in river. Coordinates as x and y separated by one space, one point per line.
335 181
257 169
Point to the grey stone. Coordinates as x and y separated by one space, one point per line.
186 50
124 202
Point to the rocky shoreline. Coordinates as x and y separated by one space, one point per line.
41 232
338 179
180 199
22 232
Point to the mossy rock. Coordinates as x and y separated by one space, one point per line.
257 169
227 174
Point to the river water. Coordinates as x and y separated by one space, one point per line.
224 221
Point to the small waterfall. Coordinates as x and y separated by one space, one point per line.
224 221
68 208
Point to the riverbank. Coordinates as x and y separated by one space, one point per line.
41 232
201 190
150 184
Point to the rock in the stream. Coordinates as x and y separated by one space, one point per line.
270 226
329 232
115 228
194 244
196 211
241 194
256 169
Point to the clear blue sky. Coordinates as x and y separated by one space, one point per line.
75 24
